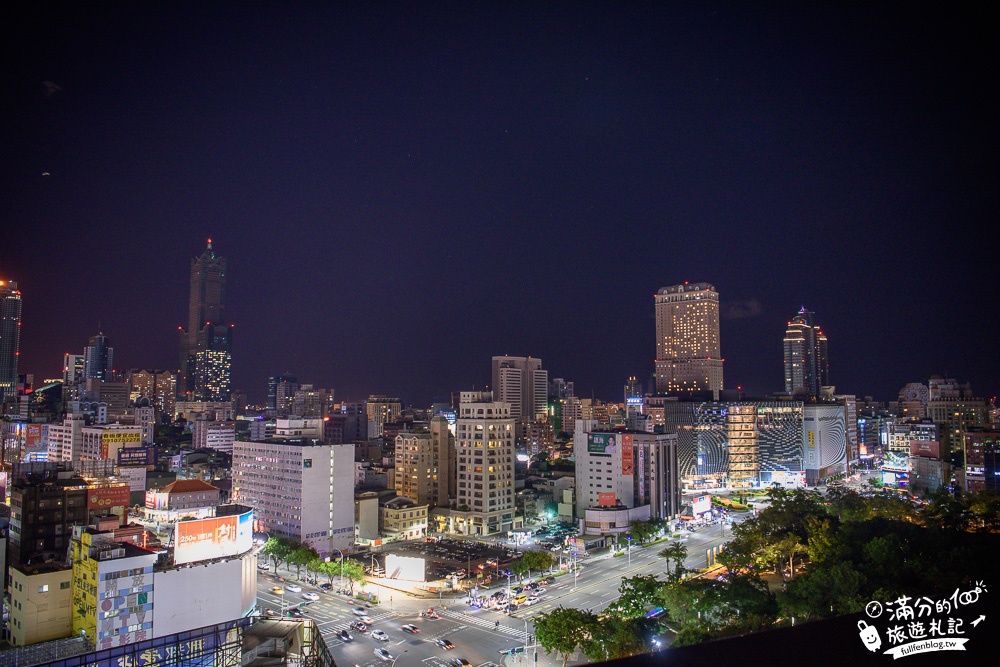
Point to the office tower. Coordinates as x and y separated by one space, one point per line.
207 343
10 338
484 466
300 489
807 367
274 388
688 356
381 411
521 383
98 358
309 401
953 405
422 464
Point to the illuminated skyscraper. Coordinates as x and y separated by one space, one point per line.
485 466
688 357
807 367
98 358
206 345
10 337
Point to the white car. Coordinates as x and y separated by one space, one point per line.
295 588
384 655
311 596
380 636
367 619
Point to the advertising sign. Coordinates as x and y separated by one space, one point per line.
118 436
925 448
137 456
701 504
642 474
204 539
606 499
33 435
106 497
597 443
628 464
136 478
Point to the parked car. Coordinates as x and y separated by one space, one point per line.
445 644
261 566
295 588
345 635
384 655
326 586
412 629
311 596
380 636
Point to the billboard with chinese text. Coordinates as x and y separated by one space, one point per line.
106 497
137 456
598 443
204 539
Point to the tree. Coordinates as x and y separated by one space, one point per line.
677 553
278 548
301 556
532 560
562 630
618 638
637 594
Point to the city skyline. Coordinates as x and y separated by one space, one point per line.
427 190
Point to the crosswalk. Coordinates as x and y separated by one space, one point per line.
345 624
482 622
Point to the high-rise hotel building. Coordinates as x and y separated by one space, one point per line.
206 345
688 356
484 465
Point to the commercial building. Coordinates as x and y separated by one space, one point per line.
218 435
422 464
10 338
484 496
301 489
625 469
807 366
381 410
98 359
103 442
523 384
403 519
688 352
206 344
160 387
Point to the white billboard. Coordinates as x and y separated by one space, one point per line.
404 567
701 504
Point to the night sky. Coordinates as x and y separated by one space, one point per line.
404 190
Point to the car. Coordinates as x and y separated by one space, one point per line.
295 588
533 585
262 566
277 590
409 627
311 596
295 612
461 662
384 655
359 626
378 635
359 611
345 635
529 602
445 644
368 620
270 613
326 586
540 591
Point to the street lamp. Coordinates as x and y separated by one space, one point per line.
508 573
576 574
629 540
341 567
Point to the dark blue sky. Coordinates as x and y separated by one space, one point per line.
403 192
